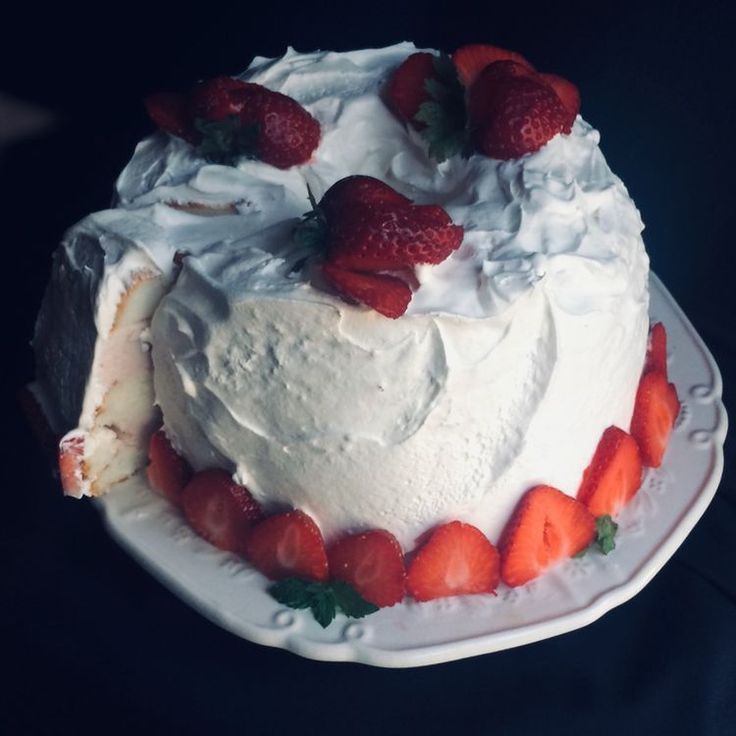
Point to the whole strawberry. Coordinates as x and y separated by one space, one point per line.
227 119
371 227
512 115
374 236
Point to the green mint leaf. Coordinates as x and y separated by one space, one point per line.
292 592
350 602
605 532
323 599
323 605
443 117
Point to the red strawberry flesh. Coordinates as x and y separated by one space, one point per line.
614 474
372 563
655 410
568 94
167 471
456 559
656 359
547 526
219 510
513 116
406 89
472 59
288 545
388 295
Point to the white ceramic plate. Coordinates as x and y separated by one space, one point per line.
575 593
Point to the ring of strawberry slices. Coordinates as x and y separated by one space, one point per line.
455 558
483 100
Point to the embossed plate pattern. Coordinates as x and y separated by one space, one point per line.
575 593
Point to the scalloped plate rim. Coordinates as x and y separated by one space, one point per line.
465 646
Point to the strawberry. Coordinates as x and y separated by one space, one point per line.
214 99
546 526
219 509
388 295
372 563
513 116
457 559
167 471
656 359
614 474
406 89
170 112
227 118
655 409
71 464
358 190
568 94
386 237
287 134
472 59
369 229
286 545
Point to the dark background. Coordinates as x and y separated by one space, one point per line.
91 643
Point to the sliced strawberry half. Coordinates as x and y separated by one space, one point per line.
569 96
71 464
372 563
656 359
472 59
406 89
457 559
288 545
614 474
219 510
388 295
655 409
167 472
547 526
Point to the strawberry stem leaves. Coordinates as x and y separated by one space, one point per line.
443 116
311 230
324 600
226 140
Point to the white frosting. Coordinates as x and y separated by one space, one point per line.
514 354
513 357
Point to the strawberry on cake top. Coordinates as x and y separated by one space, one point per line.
366 385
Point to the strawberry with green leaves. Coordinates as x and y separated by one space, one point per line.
424 92
227 119
373 237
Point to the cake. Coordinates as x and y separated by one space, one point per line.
458 391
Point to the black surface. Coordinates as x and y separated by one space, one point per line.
92 644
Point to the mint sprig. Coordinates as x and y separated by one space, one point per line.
226 140
444 115
323 599
605 534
